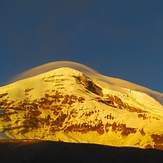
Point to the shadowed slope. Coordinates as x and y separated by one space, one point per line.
24 151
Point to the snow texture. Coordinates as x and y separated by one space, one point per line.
115 83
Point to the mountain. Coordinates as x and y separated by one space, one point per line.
70 102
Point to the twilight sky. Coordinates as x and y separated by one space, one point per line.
118 38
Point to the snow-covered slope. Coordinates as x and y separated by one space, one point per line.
65 104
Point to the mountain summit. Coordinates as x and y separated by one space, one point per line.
70 102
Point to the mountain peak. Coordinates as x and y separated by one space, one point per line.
67 71
80 105
52 66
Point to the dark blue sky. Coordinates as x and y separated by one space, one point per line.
118 38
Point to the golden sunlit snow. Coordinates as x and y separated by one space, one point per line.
69 105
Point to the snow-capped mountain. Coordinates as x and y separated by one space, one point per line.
66 101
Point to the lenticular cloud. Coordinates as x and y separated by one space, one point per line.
54 65
113 83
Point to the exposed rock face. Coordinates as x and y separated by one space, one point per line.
89 85
78 112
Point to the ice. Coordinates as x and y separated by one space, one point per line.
3 136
